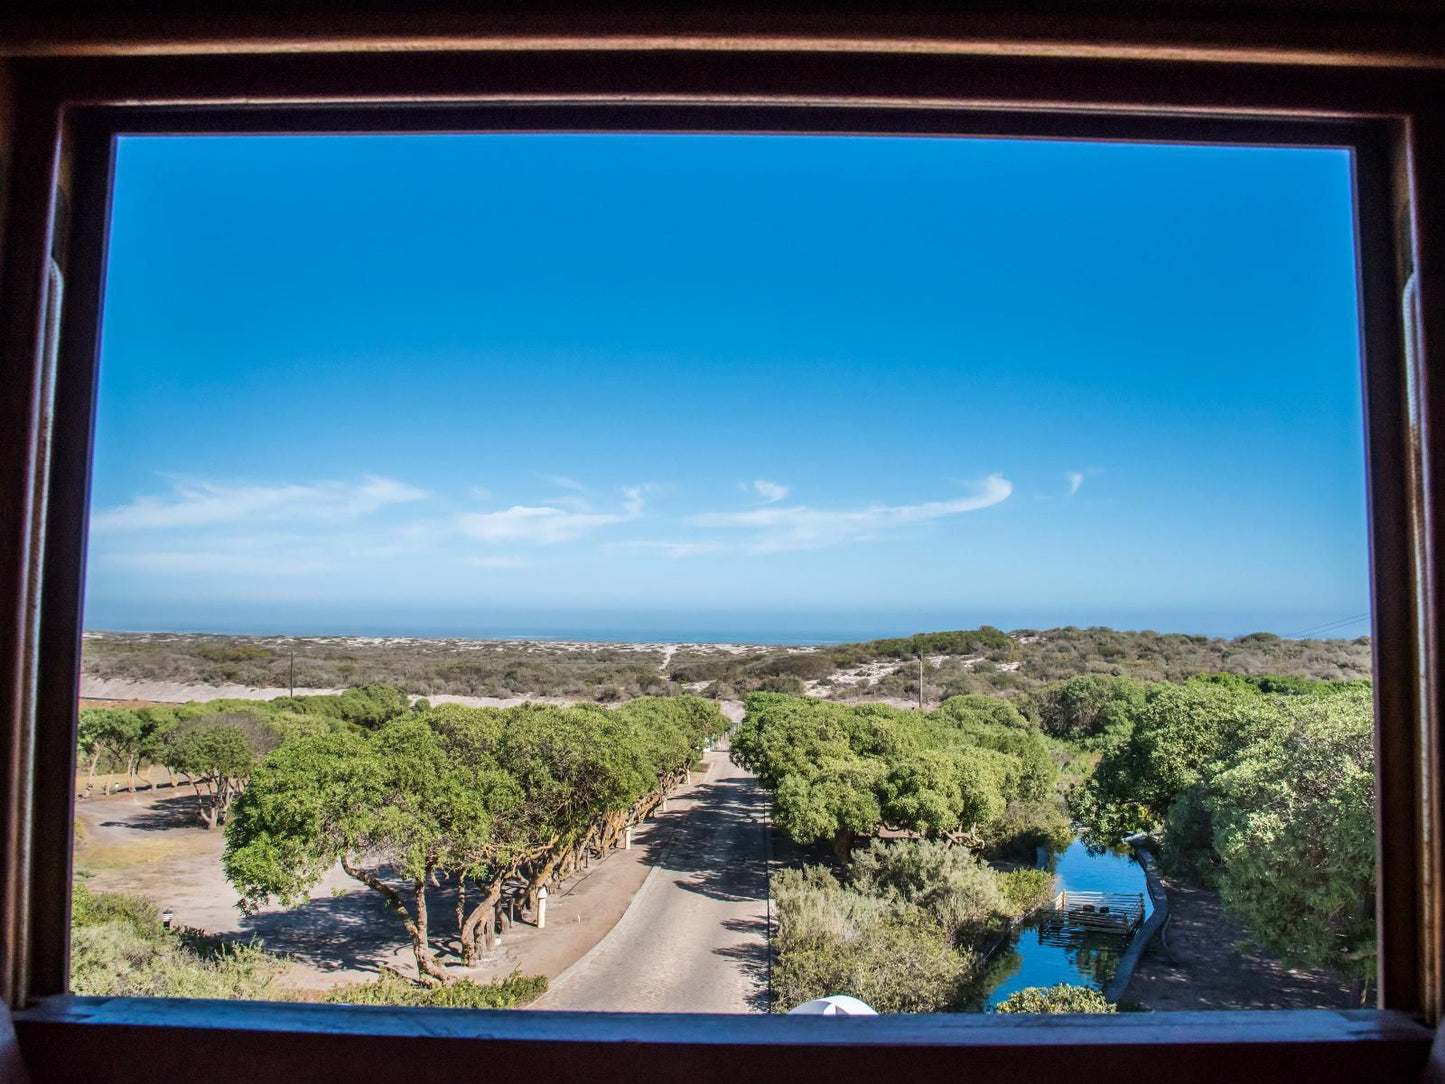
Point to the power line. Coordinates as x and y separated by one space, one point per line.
1328 626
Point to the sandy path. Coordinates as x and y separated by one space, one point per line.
695 937
1215 966
174 692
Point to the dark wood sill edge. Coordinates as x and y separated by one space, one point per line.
121 1039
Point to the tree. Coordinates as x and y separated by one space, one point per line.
1180 737
473 795
118 733
1086 707
218 753
1270 797
385 808
937 792
837 802
91 740
1294 829
840 772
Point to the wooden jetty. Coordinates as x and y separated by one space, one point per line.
1106 912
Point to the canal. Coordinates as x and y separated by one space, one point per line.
1036 956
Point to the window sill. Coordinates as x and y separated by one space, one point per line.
155 1040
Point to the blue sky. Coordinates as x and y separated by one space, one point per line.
861 383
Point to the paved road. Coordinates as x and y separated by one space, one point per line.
695 936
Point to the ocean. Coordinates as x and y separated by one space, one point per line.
803 628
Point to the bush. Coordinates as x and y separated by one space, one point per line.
782 683
393 989
1086 707
1188 850
835 940
1023 828
1026 889
947 883
1062 998
118 948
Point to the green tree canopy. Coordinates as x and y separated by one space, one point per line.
838 772
1268 797
468 794
1294 829
1087 706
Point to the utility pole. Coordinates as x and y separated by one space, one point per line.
293 672
920 681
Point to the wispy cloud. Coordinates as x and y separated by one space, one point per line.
673 549
504 561
548 524
1076 477
770 492
201 503
800 527
561 481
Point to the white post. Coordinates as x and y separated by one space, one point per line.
542 908
627 845
664 803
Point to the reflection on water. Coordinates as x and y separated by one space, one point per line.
1040 954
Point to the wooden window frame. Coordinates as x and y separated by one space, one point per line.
66 113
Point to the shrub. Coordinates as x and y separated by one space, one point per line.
836 940
947 883
393 989
1062 998
782 683
1087 706
1026 889
1023 828
118 948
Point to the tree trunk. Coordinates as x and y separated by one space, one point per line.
427 968
200 803
843 846
130 767
476 930
611 829
225 795
539 877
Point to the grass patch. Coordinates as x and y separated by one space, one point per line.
393 989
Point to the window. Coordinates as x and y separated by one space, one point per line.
694 417
1397 617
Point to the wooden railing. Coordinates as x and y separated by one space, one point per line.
1120 912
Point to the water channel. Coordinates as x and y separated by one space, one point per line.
1035 956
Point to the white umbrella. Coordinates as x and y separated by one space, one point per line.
836 1005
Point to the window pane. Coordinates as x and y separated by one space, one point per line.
719 573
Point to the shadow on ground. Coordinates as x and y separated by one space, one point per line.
752 958
163 815
729 820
